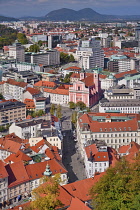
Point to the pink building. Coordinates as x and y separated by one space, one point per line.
87 89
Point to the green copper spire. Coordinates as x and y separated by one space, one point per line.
47 171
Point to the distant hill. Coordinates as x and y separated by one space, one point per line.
8 19
72 15
86 14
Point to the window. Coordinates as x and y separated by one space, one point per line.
78 87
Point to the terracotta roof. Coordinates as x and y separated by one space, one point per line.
89 80
17 174
9 145
3 172
122 74
14 82
32 91
29 103
75 75
15 138
80 189
73 68
57 91
53 153
92 151
77 204
102 76
96 126
1 83
35 171
19 156
45 84
133 147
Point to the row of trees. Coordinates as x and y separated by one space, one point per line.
56 110
81 105
35 113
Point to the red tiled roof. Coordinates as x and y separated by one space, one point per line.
14 82
29 103
45 84
95 126
19 156
35 171
15 138
33 91
102 76
80 189
17 174
92 150
89 80
77 204
57 91
3 172
75 75
122 74
73 68
9 145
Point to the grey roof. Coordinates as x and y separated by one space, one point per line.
121 103
10 105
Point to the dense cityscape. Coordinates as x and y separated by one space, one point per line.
69 114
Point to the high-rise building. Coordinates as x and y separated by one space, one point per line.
17 51
90 54
137 33
50 42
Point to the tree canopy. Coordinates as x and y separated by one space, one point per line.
119 188
34 48
81 105
46 195
7 36
66 58
22 38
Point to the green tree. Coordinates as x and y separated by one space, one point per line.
22 38
46 195
52 109
1 96
71 58
74 118
72 105
58 112
34 48
81 105
119 188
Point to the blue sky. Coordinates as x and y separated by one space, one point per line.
19 8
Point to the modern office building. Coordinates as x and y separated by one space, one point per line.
17 51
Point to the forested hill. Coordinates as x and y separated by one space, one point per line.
7 36
8 19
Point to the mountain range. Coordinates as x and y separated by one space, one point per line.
86 14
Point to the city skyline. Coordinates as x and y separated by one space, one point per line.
18 8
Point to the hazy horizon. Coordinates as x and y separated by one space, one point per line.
20 8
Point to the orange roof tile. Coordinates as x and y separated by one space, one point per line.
92 150
122 74
57 91
35 171
29 103
19 156
14 82
77 204
3 172
17 174
32 91
45 84
80 189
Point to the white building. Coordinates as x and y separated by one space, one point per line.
13 89
3 183
57 96
96 159
90 54
107 82
17 52
123 106
116 129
